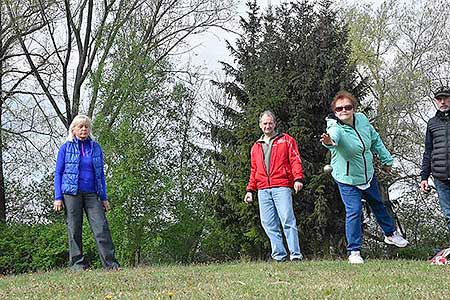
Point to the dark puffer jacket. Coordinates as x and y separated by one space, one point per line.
436 157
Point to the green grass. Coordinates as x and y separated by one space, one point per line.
376 279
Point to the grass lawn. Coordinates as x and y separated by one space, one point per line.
376 279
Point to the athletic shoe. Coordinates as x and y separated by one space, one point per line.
396 239
355 257
298 258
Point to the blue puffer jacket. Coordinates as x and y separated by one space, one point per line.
67 172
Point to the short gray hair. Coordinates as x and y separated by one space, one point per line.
268 113
79 119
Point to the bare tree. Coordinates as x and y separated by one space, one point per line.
12 75
64 50
91 29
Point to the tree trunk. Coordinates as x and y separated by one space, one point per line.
2 178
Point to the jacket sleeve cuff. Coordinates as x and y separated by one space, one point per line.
300 180
423 177
329 146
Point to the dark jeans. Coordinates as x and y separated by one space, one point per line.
443 189
92 205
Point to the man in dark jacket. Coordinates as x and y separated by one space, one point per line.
436 157
276 168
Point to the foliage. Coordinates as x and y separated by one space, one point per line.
31 203
26 248
156 172
54 55
135 183
175 200
40 247
292 60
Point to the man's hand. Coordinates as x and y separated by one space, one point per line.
105 205
297 186
387 168
248 198
424 186
58 205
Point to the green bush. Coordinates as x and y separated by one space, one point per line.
27 248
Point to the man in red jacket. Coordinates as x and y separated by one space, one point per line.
276 168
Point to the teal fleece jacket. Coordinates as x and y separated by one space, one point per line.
352 154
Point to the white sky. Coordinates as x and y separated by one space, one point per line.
210 47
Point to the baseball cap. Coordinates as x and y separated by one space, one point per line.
442 92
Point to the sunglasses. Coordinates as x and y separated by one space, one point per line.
345 107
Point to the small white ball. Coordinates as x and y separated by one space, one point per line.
327 169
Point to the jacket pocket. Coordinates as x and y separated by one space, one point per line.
347 173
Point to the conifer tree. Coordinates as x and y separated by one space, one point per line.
292 60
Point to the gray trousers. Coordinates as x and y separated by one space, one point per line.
92 205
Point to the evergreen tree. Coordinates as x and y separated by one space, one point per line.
292 59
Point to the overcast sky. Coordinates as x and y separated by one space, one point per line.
210 47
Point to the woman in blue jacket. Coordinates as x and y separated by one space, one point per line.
353 141
80 186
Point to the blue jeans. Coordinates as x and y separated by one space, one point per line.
275 208
91 204
351 196
443 189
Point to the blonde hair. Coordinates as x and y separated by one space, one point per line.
79 119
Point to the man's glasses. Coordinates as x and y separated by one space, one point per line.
345 107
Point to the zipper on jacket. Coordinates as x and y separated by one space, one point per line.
348 168
364 150
270 160
264 164
446 148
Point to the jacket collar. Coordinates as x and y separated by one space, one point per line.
77 141
443 115
277 135
333 117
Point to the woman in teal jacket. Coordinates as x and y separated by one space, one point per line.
352 141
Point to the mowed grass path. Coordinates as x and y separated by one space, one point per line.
376 279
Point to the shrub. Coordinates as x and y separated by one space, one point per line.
27 248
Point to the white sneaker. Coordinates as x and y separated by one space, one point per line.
355 257
396 239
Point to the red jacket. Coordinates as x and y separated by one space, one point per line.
285 165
